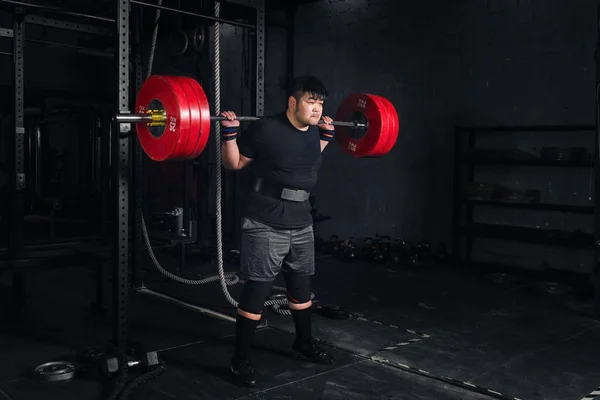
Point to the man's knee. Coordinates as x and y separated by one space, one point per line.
253 298
298 289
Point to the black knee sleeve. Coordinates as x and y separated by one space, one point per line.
254 295
298 288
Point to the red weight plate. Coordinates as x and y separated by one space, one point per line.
179 153
163 146
204 132
195 117
385 126
394 125
363 103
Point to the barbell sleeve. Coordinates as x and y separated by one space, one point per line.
158 118
133 118
179 108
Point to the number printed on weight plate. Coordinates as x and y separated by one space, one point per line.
362 103
172 124
352 146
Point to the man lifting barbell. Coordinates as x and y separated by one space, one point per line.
173 122
284 152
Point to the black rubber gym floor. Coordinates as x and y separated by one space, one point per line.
415 333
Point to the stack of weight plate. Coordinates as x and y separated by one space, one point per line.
55 371
564 153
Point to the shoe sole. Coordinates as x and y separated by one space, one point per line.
299 356
238 381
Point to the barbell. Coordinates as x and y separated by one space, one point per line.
172 117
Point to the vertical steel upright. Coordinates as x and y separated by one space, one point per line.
596 158
260 57
122 259
259 87
18 176
138 160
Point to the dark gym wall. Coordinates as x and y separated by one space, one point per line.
527 63
56 78
496 62
55 68
441 63
409 53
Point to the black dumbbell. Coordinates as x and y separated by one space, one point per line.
145 362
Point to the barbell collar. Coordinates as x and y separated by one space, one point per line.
148 118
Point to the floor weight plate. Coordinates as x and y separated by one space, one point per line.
55 371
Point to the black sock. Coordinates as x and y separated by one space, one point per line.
244 331
303 322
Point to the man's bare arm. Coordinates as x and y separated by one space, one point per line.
231 157
327 131
324 144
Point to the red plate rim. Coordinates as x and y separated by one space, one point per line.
195 116
204 107
393 137
386 124
394 124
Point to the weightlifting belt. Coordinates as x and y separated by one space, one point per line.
279 191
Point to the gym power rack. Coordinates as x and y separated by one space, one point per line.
125 165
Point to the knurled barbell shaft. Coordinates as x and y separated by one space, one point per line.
148 118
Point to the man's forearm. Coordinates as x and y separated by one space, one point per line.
324 144
230 154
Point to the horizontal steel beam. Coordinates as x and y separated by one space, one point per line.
192 14
5 32
248 3
73 26
190 306
57 10
84 50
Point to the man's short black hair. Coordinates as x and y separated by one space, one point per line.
308 84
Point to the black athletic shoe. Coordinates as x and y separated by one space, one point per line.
243 372
311 351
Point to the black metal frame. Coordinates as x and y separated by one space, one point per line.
463 225
56 10
19 256
123 162
596 272
121 276
15 242
19 172
121 282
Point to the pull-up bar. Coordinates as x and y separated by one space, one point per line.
141 3
192 14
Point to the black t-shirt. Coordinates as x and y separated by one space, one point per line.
285 155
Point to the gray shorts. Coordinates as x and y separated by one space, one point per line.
266 251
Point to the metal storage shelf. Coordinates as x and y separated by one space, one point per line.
127 172
533 162
576 240
534 206
467 159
